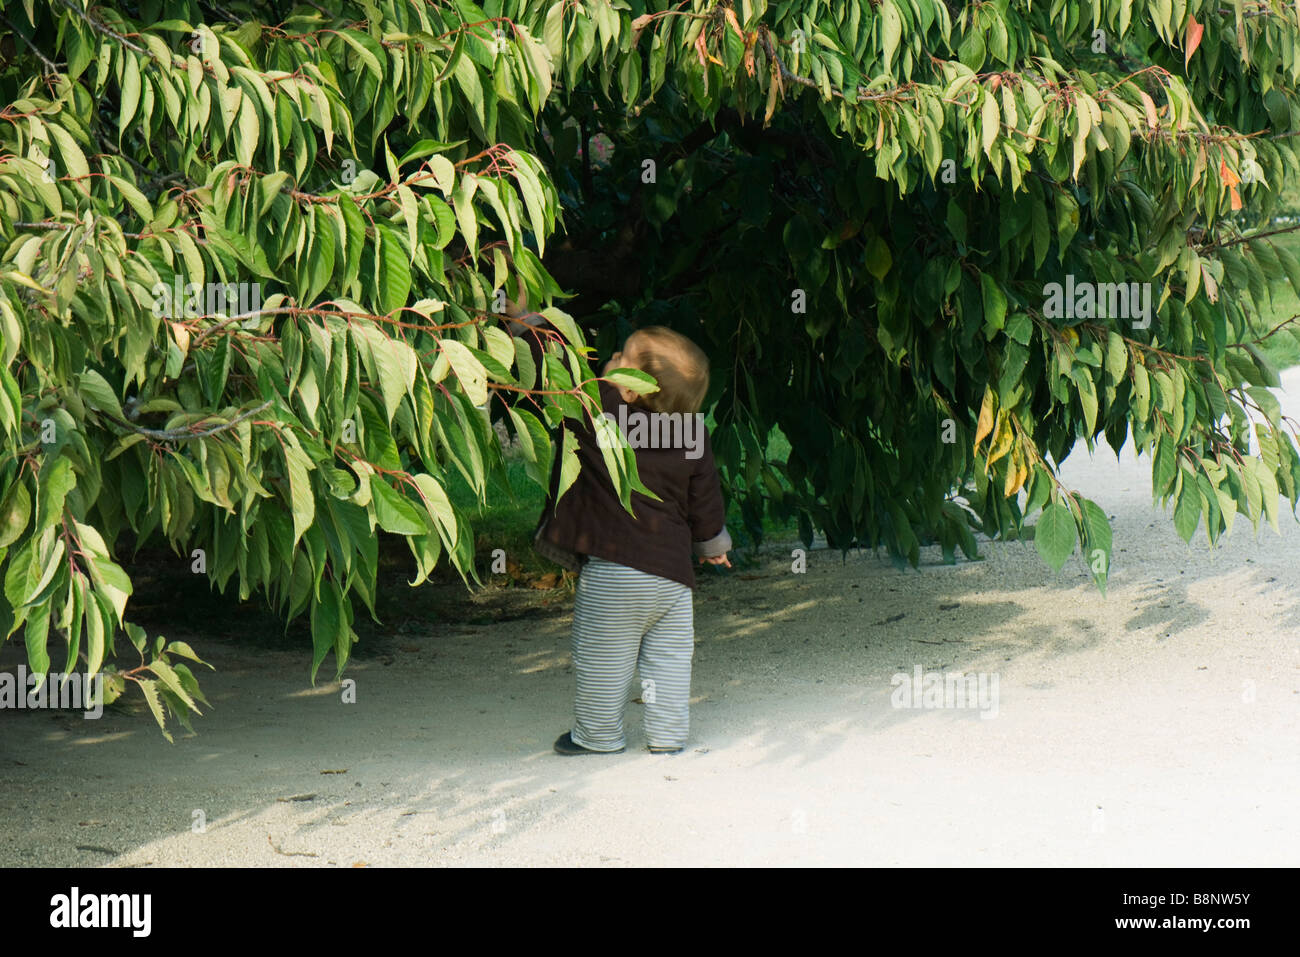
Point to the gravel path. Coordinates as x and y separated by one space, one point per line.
1155 726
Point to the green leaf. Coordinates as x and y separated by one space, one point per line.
1067 221
73 160
877 258
1164 467
185 651
466 217
394 511
172 681
1055 535
326 624
1087 397
470 372
56 480
391 363
15 510
427 147
1187 510
891 32
991 122
633 380
302 503
368 51
569 464
149 688
439 506
1116 357
95 388
1097 541
995 304
394 271
130 97
568 328
35 635
535 443
22 574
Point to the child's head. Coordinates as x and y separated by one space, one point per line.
678 365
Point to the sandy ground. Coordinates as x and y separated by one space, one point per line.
1155 726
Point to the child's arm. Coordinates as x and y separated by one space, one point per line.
707 513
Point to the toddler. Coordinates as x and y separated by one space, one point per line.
633 610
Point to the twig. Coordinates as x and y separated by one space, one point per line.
101 28
1246 239
180 435
275 847
50 65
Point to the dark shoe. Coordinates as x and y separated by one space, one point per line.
564 744
654 750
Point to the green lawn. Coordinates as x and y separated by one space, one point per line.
508 520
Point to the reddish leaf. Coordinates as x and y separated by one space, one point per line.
1194 33
1227 175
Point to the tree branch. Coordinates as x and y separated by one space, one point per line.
181 435
101 28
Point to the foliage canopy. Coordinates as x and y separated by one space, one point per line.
858 208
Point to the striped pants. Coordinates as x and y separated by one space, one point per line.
625 620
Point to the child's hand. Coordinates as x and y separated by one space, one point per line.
719 560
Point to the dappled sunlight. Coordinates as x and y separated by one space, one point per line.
541 661
101 739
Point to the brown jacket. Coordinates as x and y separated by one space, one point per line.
590 520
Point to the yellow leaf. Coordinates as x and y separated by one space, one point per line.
1149 106
731 20
772 91
1003 440
182 336
985 424
1017 472
1013 469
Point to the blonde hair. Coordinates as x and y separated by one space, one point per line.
679 366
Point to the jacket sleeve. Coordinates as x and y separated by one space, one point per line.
707 514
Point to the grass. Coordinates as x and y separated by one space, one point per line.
508 520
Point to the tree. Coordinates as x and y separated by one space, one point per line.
859 208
